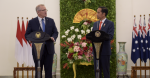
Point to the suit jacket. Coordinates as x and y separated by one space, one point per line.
108 27
50 29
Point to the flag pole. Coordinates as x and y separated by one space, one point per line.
22 71
140 69
136 70
22 64
149 70
17 70
135 63
27 66
140 62
17 62
145 63
32 73
27 72
145 70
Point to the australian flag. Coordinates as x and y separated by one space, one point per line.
135 45
148 37
145 42
140 40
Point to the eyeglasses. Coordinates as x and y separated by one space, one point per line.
43 10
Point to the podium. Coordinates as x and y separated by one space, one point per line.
97 37
38 39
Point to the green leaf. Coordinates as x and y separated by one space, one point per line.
70 50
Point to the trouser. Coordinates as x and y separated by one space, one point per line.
46 60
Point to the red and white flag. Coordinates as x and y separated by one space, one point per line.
30 57
24 41
19 45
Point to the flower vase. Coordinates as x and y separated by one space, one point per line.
122 59
54 66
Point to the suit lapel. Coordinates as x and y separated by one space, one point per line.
38 24
46 23
104 24
97 27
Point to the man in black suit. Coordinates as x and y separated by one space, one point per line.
107 26
45 24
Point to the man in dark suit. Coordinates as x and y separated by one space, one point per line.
108 27
45 24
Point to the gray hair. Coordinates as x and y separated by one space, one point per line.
38 7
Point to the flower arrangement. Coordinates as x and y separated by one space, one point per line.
77 48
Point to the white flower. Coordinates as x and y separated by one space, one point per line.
82 31
91 28
76 30
66 33
87 31
68 30
71 61
63 36
71 28
79 36
69 39
73 36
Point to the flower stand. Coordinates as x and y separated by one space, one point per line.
81 63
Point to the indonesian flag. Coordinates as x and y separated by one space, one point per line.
24 41
19 45
30 57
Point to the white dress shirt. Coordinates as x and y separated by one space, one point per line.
102 22
40 21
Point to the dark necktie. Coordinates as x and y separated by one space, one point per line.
43 25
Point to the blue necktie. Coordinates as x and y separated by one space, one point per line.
43 25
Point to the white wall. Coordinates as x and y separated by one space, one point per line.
125 11
10 10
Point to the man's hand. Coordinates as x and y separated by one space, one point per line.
52 39
30 42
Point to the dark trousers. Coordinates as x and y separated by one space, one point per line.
104 65
47 61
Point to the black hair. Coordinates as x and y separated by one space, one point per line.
104 10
